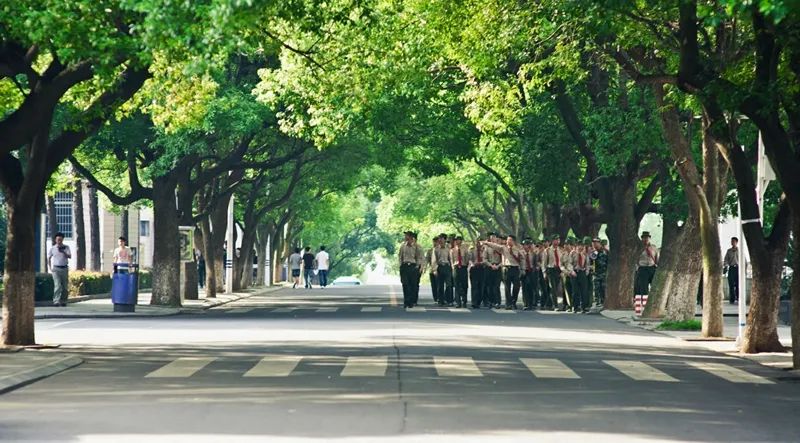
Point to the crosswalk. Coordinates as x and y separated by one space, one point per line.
362 309
281 365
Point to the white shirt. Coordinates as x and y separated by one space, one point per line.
122 255
57 257
322 260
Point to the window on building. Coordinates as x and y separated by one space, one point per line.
63 207
144 228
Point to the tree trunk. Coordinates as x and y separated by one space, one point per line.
673 294
166 244
211 258
20 272
52 218
796 287
94 229
761 332
79 236
622 231
261 245
124 229
712 277
243 263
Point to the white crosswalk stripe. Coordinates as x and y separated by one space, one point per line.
459 310
416 309
284 310
371 309
327 309
733 375
639 371
456 367
181 367
239 310
274 366
548 368
503 311
365 366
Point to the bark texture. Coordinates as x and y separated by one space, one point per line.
94 230
79 234
166 245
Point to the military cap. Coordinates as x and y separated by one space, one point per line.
555 237
458 237
645 234
603 242
489 234
527 241
411 233
587 240
596 239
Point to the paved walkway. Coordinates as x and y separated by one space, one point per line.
19 367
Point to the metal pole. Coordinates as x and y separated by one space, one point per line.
742 281
231 250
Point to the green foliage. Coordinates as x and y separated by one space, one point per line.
44 287
684 325
88 283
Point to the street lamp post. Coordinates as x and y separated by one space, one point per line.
231 250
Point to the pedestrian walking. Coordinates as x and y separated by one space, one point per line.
308 267
530 275
477 272
443 272
493 274
323 265
648 261
432 269
58 257
731 269
544 288
459 257
295 262
412 260
511 255
580 285
553 266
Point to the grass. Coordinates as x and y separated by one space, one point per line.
685 325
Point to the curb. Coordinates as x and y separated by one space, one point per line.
27 376
218 303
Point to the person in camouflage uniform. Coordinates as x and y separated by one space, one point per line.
599 265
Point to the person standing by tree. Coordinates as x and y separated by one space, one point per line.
308 267
58 257
122 256
201 268
412 260
295 261
648 261
323 264
599 264
731 268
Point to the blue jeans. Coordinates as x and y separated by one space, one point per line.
309 275
323 277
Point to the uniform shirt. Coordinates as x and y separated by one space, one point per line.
579 260
429 258
550 257
649 256
411 254
441 255
511 256
59 258
476 257
530 260
732 257
566 261
464 255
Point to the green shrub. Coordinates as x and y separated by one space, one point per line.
44 287
145 280
86 283
686 325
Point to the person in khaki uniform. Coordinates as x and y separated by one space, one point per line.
648 261
441 260
459 257
580 282
544 287
530 275
412 260
567 273
553 264
477 272
511 255
493 274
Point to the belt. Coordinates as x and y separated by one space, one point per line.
60 267
444 264
511 266
409 263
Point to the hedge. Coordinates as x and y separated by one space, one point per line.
82 283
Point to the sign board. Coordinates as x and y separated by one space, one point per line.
186 241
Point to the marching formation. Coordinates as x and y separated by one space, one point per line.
567 277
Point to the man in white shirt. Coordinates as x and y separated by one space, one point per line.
323 264
122 257
58 257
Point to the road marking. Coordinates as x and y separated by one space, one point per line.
456 367
392 295
67 322
371 309
416 309
730 373
639 371
327 309
365 366
274 366
548 368
504 311
239 310
459 310
283 310
181 367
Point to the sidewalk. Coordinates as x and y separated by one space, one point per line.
726 345
19 367
103 308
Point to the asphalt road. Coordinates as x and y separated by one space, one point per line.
349 364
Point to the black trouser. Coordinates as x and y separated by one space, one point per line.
599 283
511 283
201 273
409 278
733 283
461 279
477 277
496 277
444 283
530 288
544 299
432 278
556 286
580 291
644 276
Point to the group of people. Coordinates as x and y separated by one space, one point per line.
550 275
309 262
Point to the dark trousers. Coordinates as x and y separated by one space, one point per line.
477 277
201 273
733 283
309 277
444 284
494 277
544 291
511 283
530 289
409 278
432 278
556 286
580 291
599 283
461 279
323 277
644 276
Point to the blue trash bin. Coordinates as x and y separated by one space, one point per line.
125 290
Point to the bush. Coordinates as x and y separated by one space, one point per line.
44 287
686 325
145 280
86 283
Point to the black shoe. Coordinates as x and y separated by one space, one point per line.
475 307
450 304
